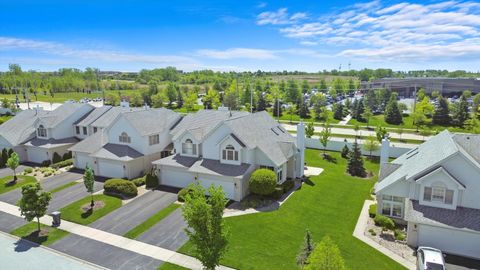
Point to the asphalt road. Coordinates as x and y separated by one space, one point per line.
168 233
8 222
7 171
48 184
132 214
103 254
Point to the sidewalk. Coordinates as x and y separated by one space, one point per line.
359 233
152 251
344 122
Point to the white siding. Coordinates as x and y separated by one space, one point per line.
174 177
122 125
81 160
107 168
468 175
37 155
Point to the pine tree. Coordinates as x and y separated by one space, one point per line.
355 162
392 112
359 111
461 112
441 115
338 111
277 108
306 249
345 151
261 103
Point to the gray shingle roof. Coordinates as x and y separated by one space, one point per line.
461 218
107 118
215 167
90 144
92 116
51 143
52 118
21 127
151 121
176 161
117 152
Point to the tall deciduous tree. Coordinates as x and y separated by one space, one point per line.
190 101
355 162
371 144
89 181
367 114
462 112
206 227
326 256
34 202
13 162
309 130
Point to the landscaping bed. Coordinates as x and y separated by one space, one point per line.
80 212
47 235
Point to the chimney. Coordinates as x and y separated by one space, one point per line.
301 148
384 151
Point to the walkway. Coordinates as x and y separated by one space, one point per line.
344 122
119 241
359 233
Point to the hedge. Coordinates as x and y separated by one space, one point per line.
384 222
183 193
287 185
372 210
151 181
263 182
46 163
120 186
56 158
62 164
277 193
139 181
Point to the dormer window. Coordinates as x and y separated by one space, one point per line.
189 148
438 194
41 131
124 138
229 153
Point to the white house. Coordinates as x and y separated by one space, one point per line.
224 148
125 142
435 190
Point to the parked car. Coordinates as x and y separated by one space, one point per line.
430 259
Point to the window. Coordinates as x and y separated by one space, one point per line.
438 194
392 206
77 129
164 154
41 131
279 175
189 148
124 138
154 139
229 153
94 129
84 130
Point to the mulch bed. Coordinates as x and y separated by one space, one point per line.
97 205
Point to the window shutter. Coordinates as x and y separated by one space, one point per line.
194 146
449 196
224 154
236 155
427 194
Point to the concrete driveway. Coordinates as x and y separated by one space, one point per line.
48 184
168 233
9 222
103 254
7 171
132 214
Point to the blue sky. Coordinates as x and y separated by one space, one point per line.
240 35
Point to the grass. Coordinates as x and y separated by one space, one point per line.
64 96
295 118
151 221
328 204
5 118
62 187
74 213
29 232
169 266
21 180
349 136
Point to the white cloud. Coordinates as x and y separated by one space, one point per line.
398 31
279 17
237 53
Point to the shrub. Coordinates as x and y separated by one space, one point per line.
384 222
62 164
372 210
46 163
151 180
263 182
287 185
120 186
28 170
372 232
399 235
139 181
56 158
183 193
67 155
277 193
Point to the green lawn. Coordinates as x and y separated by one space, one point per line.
4 118
151 221
295 118
62 187
21 180
62 97
73 212
169 266
329 205
29 232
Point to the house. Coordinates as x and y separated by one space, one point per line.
54 132
223 148
125 142
84 128
434 189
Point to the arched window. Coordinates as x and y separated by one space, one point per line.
42 131
229 153
124 138
189 148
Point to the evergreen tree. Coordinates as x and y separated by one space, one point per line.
441 115
306 249
461 113
355 162
359 111
303 110
345 151
338 111
392 112
261 102
277 108
292 91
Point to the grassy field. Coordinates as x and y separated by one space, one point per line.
286 118
328 205
151 221
62 97
21 180
29 232
74 212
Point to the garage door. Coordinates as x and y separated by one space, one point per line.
450 241
37 155
81 161
174 178
110 169
228 187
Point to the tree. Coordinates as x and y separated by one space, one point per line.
291 111
462 112
190 101
211 100
421 94
309 130
303 110
345 151
441 115
292 91
13 162
371 144
326 256
277 108
261 102
325 136
367 114
34 202
356 128
158 100
306 249
319 102
419 119
355 162
381 133
171 93
89 181
476 103
338 111
358 111
392 111
206 227
425 106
